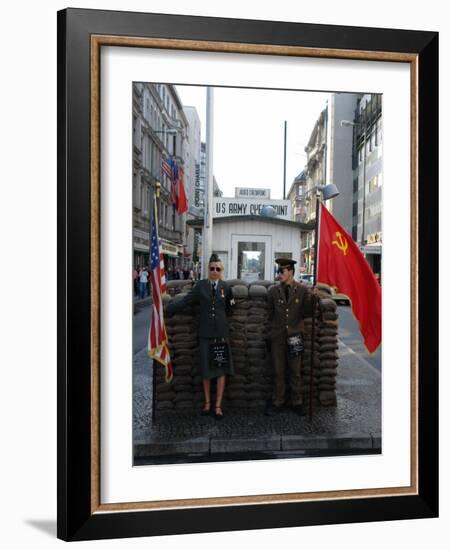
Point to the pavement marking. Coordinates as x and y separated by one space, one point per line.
350 350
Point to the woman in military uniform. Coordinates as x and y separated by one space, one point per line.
215 300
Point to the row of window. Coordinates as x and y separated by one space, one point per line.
141 201
371 212
373 140
372 185
151 157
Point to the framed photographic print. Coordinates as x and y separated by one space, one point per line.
203 384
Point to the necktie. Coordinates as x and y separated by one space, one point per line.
214 289
286 291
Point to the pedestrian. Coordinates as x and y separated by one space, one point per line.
136 281
143 280
215 300
288 303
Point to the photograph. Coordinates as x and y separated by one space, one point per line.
247 344
263 366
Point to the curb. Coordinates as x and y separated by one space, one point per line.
211 446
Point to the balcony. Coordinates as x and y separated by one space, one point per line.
170 235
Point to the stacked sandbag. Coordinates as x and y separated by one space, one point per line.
259 377
182 392
235 392
323 354
328 341
178 286
251 384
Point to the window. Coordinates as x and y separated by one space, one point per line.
137 195
379 133
373 184
135 191
372 138
145 200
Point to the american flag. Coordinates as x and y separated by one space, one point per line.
167 169
170 168
157 338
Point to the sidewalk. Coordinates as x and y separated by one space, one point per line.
353 427
138 302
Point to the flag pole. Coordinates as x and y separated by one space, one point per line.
208 195
314 301
155 214
316 237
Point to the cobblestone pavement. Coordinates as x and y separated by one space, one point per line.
354 423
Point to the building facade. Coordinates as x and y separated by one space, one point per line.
193 159
368 179
159 133
352 160
341 107
314 174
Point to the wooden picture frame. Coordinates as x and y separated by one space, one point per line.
81 35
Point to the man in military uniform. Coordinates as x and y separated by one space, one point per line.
288 303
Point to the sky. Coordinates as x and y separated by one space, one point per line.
249 134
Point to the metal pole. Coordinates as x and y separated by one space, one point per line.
207 223
316 236
284 171
313 319
311 374
364 187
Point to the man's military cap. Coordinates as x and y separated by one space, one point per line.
285 262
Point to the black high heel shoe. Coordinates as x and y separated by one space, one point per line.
218 413
206 411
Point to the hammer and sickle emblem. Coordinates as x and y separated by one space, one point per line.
341 242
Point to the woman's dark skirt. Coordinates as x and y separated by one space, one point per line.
207 369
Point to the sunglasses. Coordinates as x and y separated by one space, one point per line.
219 269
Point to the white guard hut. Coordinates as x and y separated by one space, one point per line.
249 244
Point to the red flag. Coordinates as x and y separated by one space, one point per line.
341 264
182 204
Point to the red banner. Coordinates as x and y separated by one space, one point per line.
341 264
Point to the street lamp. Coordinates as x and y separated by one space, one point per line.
327 192
268 212
347 123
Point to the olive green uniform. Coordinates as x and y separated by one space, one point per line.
286 314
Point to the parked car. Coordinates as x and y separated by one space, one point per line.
306 278
338 297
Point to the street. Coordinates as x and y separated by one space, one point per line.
350 336
141 325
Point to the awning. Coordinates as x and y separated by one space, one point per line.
372 249
171 249
138 247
